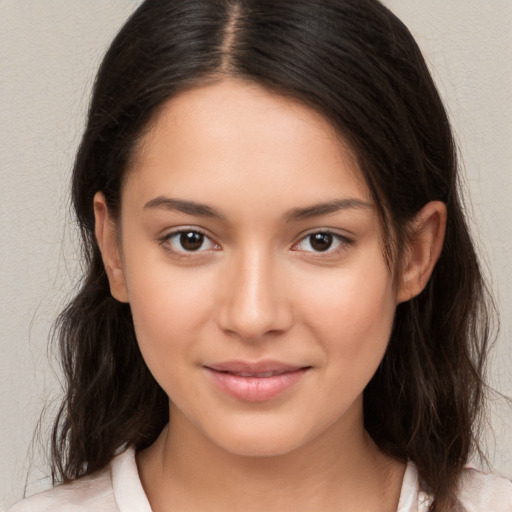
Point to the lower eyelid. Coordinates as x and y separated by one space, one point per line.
165 241
342 242
340 239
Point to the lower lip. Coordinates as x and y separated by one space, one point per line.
256 389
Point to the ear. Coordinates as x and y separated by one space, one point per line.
426 236
106 236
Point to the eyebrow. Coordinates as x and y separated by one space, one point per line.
180 205
326 208
293 215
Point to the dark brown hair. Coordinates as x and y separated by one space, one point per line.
358 65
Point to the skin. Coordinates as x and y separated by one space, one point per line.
258 289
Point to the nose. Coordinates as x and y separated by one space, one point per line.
254 302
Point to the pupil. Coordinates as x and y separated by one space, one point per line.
191 241
321 241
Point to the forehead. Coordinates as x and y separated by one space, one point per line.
233 136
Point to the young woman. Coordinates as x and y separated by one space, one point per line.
282 307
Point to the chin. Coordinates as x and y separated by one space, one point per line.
259 440
259 448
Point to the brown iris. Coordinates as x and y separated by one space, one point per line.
191 240
321 241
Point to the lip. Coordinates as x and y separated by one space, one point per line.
255 381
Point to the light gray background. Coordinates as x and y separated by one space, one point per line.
49 53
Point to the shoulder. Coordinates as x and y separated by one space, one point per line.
483 492
477 492
117 488
92 492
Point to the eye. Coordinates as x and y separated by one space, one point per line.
188 241
322 242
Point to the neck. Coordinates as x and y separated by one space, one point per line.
183 470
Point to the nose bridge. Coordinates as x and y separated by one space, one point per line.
254 302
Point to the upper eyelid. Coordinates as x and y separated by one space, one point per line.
169 233
299 238
334 232
342 239
177 231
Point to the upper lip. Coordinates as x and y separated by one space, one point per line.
257 367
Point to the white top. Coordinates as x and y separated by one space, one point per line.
118 488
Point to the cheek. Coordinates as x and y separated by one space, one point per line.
352 315
168 310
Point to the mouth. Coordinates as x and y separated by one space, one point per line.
255 382
263 375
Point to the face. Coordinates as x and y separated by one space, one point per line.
251 255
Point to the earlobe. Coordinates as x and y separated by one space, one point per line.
106 236
426 236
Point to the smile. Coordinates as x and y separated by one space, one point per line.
255 382
258 375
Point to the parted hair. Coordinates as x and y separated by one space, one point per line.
355 63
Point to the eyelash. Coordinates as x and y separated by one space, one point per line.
166 241
342 242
